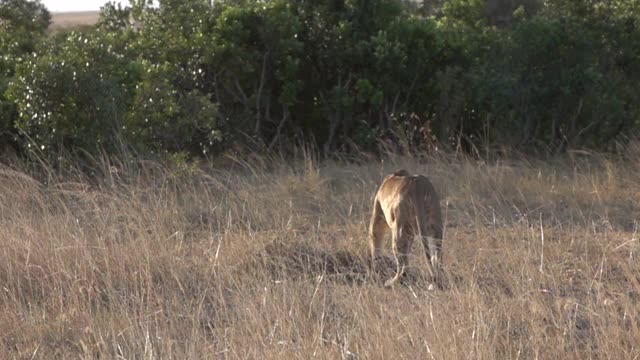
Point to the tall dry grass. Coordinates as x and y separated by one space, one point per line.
268 260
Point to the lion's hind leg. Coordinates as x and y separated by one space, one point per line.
402 238
377 230
432 241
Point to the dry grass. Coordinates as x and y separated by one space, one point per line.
267 260
62 21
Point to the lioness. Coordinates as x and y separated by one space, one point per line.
409 206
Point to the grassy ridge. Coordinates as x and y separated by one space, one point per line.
267 260
62 21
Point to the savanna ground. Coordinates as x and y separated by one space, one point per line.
63 21
267 259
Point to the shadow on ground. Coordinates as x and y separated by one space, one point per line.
303 261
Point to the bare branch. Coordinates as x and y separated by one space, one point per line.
285 117
259 93
245 100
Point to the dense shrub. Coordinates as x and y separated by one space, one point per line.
74 92
197 77
22 25
559 82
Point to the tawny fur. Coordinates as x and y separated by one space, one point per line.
409 206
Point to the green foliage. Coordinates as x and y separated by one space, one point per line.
167 119
22 25
73 94
114 18
257 64
196 77
173 108
464 13
557 82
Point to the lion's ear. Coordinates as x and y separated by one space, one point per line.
401 172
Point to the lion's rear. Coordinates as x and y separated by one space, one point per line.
410 206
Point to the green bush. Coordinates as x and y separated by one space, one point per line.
196 77
164 119
74 93
22 25
556 83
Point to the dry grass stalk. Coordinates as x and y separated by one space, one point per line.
269 261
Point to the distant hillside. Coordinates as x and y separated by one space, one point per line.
70 20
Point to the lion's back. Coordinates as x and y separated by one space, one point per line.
400 194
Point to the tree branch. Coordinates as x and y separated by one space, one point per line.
258 126
285 117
